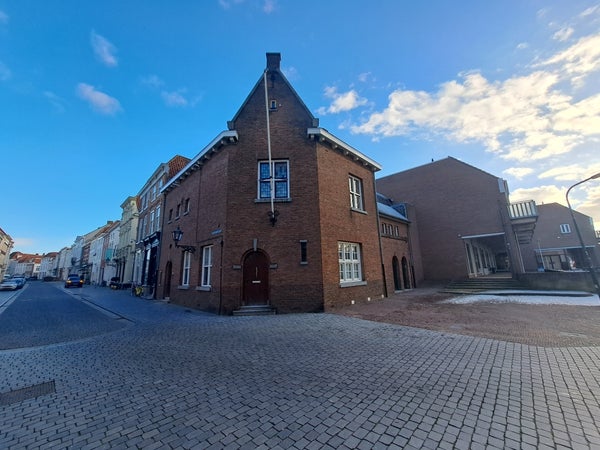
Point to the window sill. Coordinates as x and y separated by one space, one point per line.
275 200
183 288
204 288
361 211
346 284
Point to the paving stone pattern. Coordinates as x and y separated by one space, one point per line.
183 379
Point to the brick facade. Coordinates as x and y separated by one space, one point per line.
295 260
556 239
464 229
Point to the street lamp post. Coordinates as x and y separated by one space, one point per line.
583 247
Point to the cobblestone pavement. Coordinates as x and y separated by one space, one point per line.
182 379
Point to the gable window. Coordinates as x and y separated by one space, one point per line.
565 228
206 266
281 180
349 261
356 196
187 265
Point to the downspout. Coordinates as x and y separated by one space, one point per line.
385 290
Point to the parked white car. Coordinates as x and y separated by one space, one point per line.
9 285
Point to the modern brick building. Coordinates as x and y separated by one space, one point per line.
275 212
467 226
555 244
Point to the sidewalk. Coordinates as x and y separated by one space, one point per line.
181 379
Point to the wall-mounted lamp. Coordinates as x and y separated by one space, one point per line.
177 235
273 216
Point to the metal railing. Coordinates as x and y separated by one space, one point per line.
522 210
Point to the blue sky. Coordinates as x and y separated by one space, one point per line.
94 95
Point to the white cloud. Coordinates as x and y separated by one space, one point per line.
3 17
99 101
578 61
541 194
571 172
590 11
525 117
174 98
5 72
104 50
341 101
518 172
563 34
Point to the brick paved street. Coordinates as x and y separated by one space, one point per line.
181 379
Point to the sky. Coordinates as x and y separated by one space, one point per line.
95 95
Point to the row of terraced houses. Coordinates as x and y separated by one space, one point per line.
276 212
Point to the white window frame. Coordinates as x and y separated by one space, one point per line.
186 269
158 218
350 262
565 228
151 221
206 266
261 181
356 193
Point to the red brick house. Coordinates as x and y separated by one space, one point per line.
275 212
467 226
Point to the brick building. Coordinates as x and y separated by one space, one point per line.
555 244
467 226
148 233
275 212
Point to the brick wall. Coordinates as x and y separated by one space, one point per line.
451 200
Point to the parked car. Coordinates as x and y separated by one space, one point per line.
74 281
9 285
20 281
115 283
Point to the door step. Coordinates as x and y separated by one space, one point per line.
255 310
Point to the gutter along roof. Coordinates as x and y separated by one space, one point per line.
224 138
337 144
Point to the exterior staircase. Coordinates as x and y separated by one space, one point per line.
475 285
255 310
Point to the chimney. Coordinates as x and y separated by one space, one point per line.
273 60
